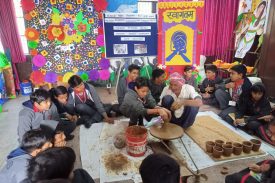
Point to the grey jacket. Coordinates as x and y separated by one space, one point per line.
122 89
15 170
132 103
92 95
28 119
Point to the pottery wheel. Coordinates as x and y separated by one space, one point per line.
168 131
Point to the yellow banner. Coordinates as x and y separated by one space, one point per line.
179 15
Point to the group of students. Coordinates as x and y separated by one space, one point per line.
49 117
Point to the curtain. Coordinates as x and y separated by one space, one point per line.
9 35
218 28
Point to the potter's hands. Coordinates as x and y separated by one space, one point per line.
230 85
176 105
108 120
259 169
163 114
267 118
59 139
168 113
239 121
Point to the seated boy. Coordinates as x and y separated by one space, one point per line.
87 102
228 93
208 86
263 172
156 84
189 77
33 142
182 100
139 103
122 88
159 168
38 112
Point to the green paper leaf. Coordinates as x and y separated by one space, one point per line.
55 10
32 44
84 76
112 76
58 42
125 73
79 16
146 72
3 60
102 49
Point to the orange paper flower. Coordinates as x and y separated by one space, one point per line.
56 32
31 34
27 17
34 52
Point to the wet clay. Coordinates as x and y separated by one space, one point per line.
137 131
116 163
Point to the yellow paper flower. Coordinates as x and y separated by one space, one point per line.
77 38
56 31
66 28
56 19
68 39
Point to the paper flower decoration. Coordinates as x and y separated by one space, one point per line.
67 76
100 5
94 75
34 52
39 60
31 34
56 19
37 77
32 44
56 32
84 76
68 39
104 74
27 5
100 40
81 25
51 77
27 17
100 30
77 38
104 63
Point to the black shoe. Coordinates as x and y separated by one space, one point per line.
69 137
80 121
88 124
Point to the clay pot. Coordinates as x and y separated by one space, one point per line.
237 148
227 149
217 151
256 144
247 146
219 143
229 143
209 146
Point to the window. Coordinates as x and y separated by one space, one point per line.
21 25
147 6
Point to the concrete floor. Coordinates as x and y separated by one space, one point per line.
8 137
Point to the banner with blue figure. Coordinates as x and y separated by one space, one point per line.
179 26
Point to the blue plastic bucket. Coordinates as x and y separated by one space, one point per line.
26 88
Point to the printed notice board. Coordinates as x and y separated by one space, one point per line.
130 34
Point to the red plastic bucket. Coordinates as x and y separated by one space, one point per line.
136 140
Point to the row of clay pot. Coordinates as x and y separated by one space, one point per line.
219 147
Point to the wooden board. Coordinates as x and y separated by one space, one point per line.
168 131
207 128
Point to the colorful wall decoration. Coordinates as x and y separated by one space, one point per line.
247 32
180 26
65 37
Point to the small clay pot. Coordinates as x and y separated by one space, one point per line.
227 149
237 148
247 146
209 146
217 151
229 143
256 144
219 143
